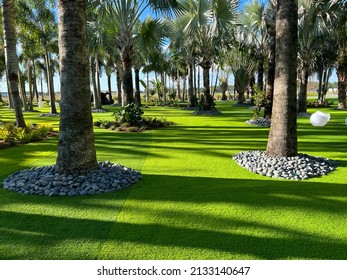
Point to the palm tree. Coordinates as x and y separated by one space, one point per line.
283 132
11 58
208 23
125 15
76 148
315 18
254 20
340 34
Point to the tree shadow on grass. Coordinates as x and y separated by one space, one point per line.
166 200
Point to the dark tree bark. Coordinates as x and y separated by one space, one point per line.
119 85
137 87
30 84
178 85
50 84
208 100
302 98
109 85
96 95
260 82
270 73
283 132
191 99
11 59
127 79
342 80
76 149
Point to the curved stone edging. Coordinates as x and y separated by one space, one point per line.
45 181
300 167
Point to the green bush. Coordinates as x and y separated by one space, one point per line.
44 129
130 113
260 101
22 135
5 134
35 135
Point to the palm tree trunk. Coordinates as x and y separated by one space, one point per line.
178 85
22 92
35 92
260 82
191 100
42 93
342 81
216 81
119 85
109 84
11 59
320 82
147 88
30 84
98 84
49 83
184 92
10 102
270 73
76 149
302 99
198 96
208 101
283 132
96 96
163 87
127 79
137 87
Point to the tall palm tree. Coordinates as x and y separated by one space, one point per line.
340 34
11 58
254 20
283 132
315 18
208 23
76 148
125 15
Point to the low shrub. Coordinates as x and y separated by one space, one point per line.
5 135
130 113
32 132
22 135
44 129
317 104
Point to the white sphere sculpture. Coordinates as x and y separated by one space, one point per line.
319 118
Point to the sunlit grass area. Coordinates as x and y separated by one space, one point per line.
194 201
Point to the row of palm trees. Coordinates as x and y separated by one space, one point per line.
202 32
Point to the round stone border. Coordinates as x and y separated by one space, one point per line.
212 112
300 167
259 122
45 180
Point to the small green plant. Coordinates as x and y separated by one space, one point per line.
44 129
260 102
10 127
5 134
34 135
130 113
22 135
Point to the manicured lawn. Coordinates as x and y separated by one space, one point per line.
194 201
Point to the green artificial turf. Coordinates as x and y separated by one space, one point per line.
194 201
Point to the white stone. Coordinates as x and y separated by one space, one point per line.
319 118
